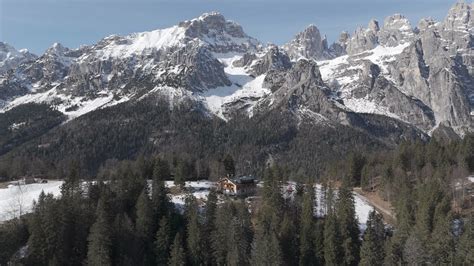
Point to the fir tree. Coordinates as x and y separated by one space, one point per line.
194 234
209 223
180 174
332 240
144 214
372 250
319 242
307 256
161 170
124 248
219 234
266 249
414 253
289 238
238 244
348 226
441 243
159 193
177 256
163 242
100 244
144 226
160 200
465 254
229 166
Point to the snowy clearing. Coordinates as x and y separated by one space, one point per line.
18 200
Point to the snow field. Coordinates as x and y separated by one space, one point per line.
18 200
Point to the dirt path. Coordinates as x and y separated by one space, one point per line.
384 207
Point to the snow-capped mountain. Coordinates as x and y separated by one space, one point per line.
421 76
10 58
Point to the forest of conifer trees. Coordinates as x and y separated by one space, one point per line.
126 217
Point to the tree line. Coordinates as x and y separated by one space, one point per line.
121 219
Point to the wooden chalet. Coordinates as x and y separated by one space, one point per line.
239 186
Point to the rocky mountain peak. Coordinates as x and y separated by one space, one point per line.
362 40
6 48
10 58
459 17
395 31
308 44
397 21
373 25
274 59
212 22
344 37
426 23
57 49
220 34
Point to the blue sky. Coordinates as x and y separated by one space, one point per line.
36 24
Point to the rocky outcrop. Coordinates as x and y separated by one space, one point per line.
339 48
301 88
458 26
274 59
364 39
223 36
308 44
396 30
10 58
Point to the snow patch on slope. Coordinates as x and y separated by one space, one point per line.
139 43
345 71
71 106
243 86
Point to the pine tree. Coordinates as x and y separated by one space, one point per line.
289 238
266 249
238 244
180 174
372 250
144 226
307 256
466 243
100 244
329 199
429 195
414 253
332 240
229 166
405 221
272 205
194 234
124 248
163 242
160 200
209 223
441 244
159 193
161 170
219 243
144 214
177 256
348 226
319 242
356 164
366 182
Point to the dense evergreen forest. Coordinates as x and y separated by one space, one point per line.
122 220
153 127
